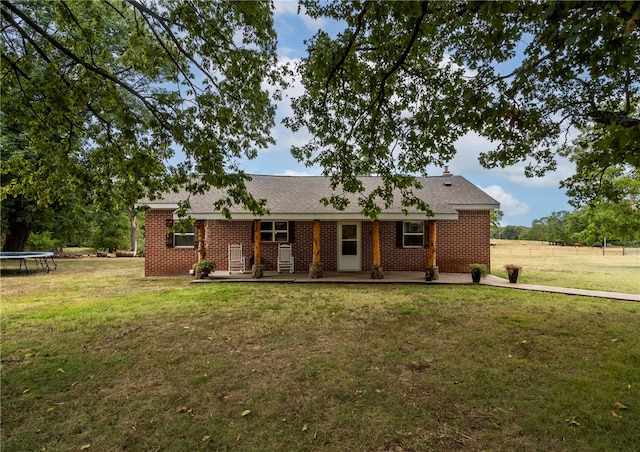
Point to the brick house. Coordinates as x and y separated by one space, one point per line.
455 236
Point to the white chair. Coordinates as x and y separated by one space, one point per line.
285 258
236 259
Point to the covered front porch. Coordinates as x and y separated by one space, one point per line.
331 247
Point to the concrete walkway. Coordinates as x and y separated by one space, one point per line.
403 278
491 280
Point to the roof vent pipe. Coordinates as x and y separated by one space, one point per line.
446 171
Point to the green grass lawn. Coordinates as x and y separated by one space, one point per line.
569 266
97 357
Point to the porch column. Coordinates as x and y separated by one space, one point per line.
376 271
432 270
202 252
315 269
256 269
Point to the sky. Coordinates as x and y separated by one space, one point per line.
522 199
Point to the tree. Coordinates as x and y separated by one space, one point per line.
511 232
392 93
22 172
552 228
107 92
618 220
495 217
598 220
535 232
110 231
599 168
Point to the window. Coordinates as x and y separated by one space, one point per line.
413 234
274 231
349 240
184 236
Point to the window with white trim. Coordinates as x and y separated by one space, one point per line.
413 234
274 231
184 236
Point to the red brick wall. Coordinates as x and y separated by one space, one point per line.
392 257
158 259
459 243
465 241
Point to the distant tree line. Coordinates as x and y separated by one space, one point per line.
589 226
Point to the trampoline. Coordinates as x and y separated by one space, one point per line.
41 257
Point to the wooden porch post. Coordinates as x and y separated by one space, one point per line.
315 269
432 268
316 241
202 252
256 269
376 271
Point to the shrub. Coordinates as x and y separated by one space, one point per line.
479 267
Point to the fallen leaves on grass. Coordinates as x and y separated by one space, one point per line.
614 414
420 367
245 413
571 420
184 409
85 447
619 406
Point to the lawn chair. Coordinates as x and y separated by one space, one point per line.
236 259
285 258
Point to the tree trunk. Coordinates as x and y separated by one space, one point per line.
133 218
17 235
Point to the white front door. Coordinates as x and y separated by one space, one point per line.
349 246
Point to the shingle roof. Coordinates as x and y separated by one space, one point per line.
299 197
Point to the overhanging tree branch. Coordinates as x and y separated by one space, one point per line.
91 67
379 100
145 10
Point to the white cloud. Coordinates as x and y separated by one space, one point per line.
295 173
466 163
282 7
508 203
285 8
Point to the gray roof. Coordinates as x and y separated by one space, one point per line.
298 197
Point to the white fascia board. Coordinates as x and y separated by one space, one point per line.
324 217
475 206
160 205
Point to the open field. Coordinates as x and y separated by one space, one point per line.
569 266
96 357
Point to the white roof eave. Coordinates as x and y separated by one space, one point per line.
159 205
475 206
340 216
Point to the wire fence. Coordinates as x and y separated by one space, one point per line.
525 249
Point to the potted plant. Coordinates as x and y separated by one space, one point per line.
204 267
513 271
477 271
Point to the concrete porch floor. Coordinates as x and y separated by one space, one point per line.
338 277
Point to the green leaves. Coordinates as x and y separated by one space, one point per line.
393 92
366 101
122 86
